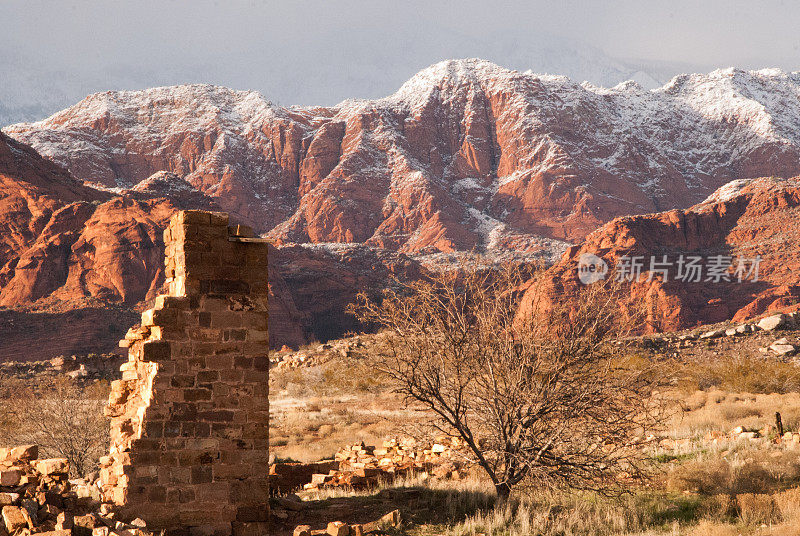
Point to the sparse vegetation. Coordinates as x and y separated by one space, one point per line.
64 418
538 399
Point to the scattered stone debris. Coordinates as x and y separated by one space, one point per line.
37 498
311 356
766 435
339 528
782 348
774 322
88 368
360 466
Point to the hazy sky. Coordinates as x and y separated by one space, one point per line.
315 52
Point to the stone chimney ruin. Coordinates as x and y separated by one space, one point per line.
190 415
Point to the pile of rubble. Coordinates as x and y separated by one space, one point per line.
351 347
362 466
766 435
38 498
81 368
781 348
339 528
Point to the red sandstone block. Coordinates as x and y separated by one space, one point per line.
168 459
201 474
171 302
235 335
227 272
179 475
197 217
221 389
259 417
219 415
219 218
204 334
197 361
207 376
242 362
257 335
182 411
226 472
228 286
153 429
233 254
214 304
156 351
259 348
210 232
219 362
172 429
255 376
256 256
193 395
226 319
253 491
215 491
230 375
241 231
182 381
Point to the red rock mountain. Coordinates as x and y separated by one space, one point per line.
71 253
464 154
744 219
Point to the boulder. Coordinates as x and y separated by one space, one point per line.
302 530
23 452
7 499
10 477
15 518
52 466
712 334
771 323
338 528
783 347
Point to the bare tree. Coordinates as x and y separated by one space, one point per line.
65 419
538 398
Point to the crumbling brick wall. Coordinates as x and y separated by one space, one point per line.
189 418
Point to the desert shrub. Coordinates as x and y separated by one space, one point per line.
64 418
757 508
742 373
546 399
722 477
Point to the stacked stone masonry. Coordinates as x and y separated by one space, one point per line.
190 416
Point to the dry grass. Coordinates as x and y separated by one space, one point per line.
706 487
740 371
716 410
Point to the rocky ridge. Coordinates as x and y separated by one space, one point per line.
465 154
743 220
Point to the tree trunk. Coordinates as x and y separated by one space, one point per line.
503 491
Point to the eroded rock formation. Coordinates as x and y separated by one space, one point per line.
744 219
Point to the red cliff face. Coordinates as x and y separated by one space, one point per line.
69 250
744 219
466 154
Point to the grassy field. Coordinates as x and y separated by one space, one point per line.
706 479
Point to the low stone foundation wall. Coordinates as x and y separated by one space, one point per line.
190 416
